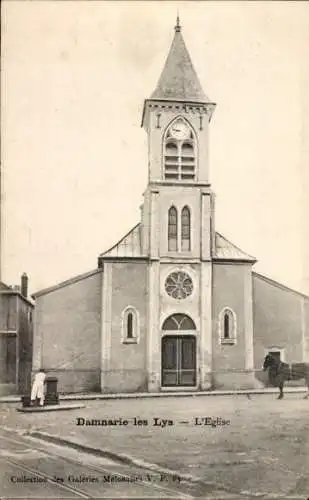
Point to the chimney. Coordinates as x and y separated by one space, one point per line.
24 285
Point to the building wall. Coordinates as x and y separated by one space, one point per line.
277 321
67 334
8 339
127 361
8 358
281 321
157 203
306 330
232 367
8 312
68 326
25 343
200 213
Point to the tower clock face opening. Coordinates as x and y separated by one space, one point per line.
180 130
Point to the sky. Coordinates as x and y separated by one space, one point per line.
74 156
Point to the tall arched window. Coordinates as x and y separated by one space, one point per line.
172 229
227 326
179 151
130 325
185 229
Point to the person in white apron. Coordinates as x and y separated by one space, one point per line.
37 390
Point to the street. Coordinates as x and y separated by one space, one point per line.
32 469
232 447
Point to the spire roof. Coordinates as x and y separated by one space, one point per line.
178 80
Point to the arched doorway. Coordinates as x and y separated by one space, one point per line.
178 352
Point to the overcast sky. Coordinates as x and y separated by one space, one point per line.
74 158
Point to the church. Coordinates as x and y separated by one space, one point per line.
173 305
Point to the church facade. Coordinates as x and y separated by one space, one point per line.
173 305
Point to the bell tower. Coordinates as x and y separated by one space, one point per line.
177 229
178 109
176 119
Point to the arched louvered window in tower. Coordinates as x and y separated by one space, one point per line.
187 161
179 152
185 229
171 159
172 229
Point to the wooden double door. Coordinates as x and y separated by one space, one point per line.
178 360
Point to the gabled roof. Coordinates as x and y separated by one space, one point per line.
68 282
272 282
14 290
225 250
130 246
178 80
3 286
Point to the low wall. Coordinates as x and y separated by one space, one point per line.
76 381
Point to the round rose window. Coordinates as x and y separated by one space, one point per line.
178 285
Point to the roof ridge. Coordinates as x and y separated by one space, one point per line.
235 246
121 240
278 284
5 286
67 282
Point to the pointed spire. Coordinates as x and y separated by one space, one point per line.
178 80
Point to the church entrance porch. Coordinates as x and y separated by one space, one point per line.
178 352
178 360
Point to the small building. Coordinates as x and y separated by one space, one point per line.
16 335
174 304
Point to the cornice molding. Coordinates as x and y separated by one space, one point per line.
206 108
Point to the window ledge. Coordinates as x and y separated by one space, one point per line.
130 341
228 341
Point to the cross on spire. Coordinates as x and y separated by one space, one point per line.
177 27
